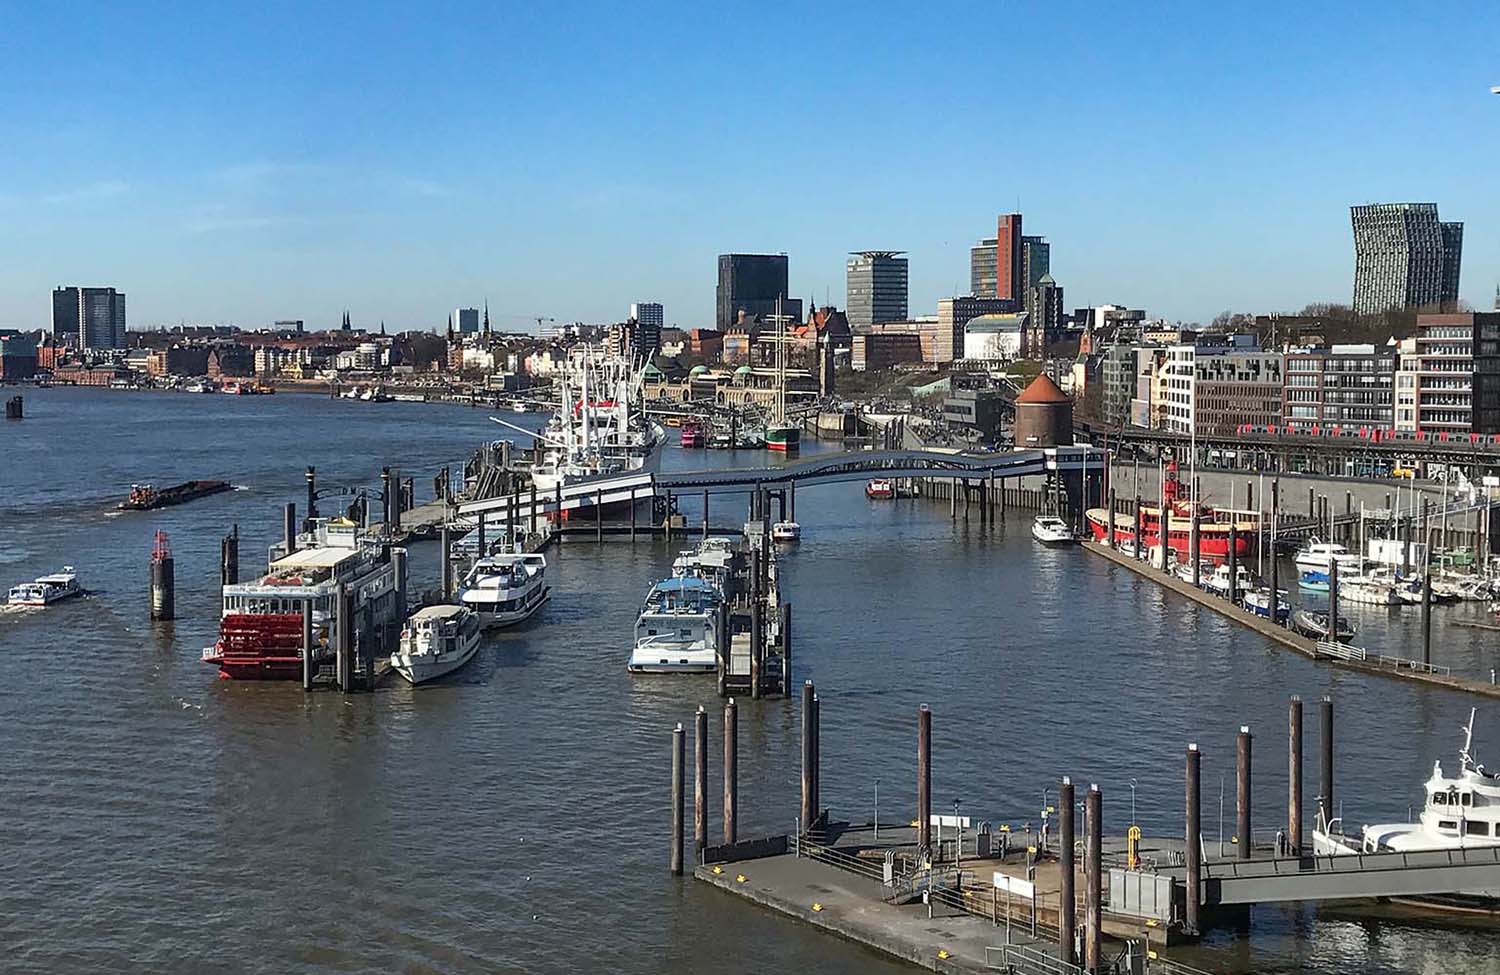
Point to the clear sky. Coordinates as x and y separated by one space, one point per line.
246 162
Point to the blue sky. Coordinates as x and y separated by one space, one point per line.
242 163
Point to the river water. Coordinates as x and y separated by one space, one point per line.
513 820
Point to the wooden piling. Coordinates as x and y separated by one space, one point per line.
1067 901
700 782
1325 743
1275 600
817 756
1242 793
757 644
1427 614
731 771
808 813
1195 546
445 536
1136 527
705 512
533 508
599 515
786 648
632 512
1093 882
1193 842
1294 777
791 498
289 528
677 773
308 671
1109 534
483 550
924 779
1234 561
1333 599
229 558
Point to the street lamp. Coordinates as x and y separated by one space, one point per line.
958 847
1132 801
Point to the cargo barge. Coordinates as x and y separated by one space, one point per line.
144 497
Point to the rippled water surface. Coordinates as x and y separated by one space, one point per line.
158 819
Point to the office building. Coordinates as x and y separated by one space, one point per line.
953 315
875 351
1449 378
1235 387
1036 260
876 287
750 284
646 336
1345 385
982 268
1117 374
289 325
1045 317
994 338
465 321
1405 257
89 318
1010 274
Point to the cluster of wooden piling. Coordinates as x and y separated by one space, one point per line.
15 408
753 606
990 497
731 779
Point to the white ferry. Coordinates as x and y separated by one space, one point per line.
437 640
1458 812
505 589
677 631
45 590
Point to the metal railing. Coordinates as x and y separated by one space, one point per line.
1343 651
1025 960
1406 663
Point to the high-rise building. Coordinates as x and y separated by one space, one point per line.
1036 260
751 283
89 318
876 287
645 339
1010 275
982 268
1045 317
1404 257
465 321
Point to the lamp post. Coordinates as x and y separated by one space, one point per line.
1132 801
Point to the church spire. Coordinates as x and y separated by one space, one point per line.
486 316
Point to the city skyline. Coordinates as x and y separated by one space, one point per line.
1205 180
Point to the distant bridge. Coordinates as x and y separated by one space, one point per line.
824 468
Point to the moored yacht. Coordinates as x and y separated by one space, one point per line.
437 640
45 590
880 489
1244 580
1317 556
712 561
505 589
786 531
677 631
1052 530
1258 601
1368 592
1459 811
1315 625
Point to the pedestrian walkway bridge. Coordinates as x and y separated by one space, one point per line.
824 468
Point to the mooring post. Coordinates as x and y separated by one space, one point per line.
1093 889
791 499
700 782
1427 615
345 662
1333 599
599 515
533 509
668 519
1067 902
307 646
924 779
1194 545
731 771
162 577
677 773
1234 561
1294 777
446 544
1193 842
1312 504
953 498
705 512
1109 532
386 498
632 513
483 550
757 642
1135 527
808 814
1325 743
786 648
1275 599
817 757
1242 793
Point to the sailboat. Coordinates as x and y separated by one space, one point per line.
782 435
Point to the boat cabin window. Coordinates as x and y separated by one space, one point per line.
1439 799
1475 827
1448 824
1468 798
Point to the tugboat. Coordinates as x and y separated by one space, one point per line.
144 497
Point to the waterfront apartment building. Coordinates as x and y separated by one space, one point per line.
1117 378
1449 377
1345 385
750 284
953 315
1213 384
876 287
89 318
1404 257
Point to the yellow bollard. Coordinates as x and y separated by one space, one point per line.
1133 847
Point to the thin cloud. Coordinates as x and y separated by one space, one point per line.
98 190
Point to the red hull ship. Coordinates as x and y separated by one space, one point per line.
1213 526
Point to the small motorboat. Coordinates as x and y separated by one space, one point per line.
1205 571
1052 530
1315 625
1218 583
437 640
880 489
1258 601
1367 592
786 531
1313 581
46 590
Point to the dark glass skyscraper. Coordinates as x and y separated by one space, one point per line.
876 287
751 283
89 318
1404 257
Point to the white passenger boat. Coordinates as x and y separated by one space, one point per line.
1052 530
45 590
1459 811
786 531
712 561
505 589
1218 582
1317 556
677 631
437 640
